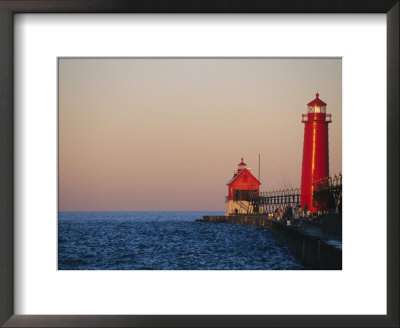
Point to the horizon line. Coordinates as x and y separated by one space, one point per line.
142 211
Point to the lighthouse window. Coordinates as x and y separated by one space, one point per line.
244 194
316 109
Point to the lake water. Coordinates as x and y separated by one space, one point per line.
165 241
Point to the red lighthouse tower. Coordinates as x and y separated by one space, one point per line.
315 149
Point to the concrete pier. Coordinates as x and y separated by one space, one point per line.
313 245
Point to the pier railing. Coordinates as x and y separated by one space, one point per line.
269 201
327 194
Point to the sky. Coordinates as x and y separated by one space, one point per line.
165 134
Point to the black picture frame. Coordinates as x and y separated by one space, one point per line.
10 7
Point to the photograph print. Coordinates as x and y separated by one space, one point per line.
199 163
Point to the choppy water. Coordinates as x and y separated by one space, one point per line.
165 241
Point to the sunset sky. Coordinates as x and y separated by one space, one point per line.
166 134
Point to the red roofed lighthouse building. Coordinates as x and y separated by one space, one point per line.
241 188
315 150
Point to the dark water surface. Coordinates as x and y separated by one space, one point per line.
165 241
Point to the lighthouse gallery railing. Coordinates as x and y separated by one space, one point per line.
327 118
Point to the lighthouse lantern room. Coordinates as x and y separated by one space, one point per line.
315 164
241 188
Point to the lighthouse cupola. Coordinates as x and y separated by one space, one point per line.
242 165
315 164
317 105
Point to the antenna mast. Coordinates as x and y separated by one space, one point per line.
258 167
